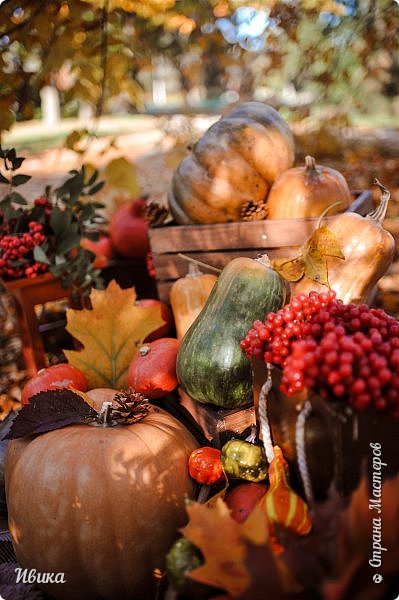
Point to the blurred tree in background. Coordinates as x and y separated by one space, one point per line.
320 59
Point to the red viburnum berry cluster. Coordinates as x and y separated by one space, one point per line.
16 253
342 351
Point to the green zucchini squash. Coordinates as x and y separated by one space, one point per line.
211 366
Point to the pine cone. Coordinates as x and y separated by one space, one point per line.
254 211
131 407
155 214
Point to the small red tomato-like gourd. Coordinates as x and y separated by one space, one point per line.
59 376
152 372
188 296
307 191
283 506
102 505
243 498
101 247
204 465
166 329
129 230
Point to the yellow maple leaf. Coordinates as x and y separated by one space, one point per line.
111 333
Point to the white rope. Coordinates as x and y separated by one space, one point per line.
300 444
264 420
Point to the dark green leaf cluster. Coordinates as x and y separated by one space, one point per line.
67 214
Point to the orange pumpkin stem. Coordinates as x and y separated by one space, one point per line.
144 350
310 163
105 415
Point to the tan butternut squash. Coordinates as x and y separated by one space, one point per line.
188 296
368 249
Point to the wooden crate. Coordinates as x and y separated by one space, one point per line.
217 244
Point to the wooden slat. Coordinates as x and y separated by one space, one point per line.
191 238
246 235
163 289
216 245
172 266
363 202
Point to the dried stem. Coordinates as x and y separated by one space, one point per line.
379 213
198 262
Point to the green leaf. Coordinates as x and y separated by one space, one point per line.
17 162
65 244
40 256
57 270
96 188
18 263
60 259
11 154
3 179
9 212
60 220
20 179
17 198
92 235
93 177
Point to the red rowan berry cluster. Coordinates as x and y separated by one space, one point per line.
16 253
342 351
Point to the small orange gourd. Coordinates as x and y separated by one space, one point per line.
282 505
188 296
306 191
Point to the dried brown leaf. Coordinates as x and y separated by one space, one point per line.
323 241
311 260
291 270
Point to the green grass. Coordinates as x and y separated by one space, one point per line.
34 137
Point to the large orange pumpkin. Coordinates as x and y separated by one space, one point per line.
100 504
234 162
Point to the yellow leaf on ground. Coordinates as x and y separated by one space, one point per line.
217 535
234 553
121 173
111 333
